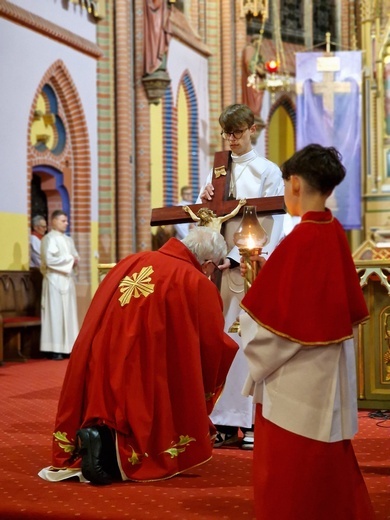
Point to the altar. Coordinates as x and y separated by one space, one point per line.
372 261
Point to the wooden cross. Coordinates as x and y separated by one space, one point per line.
219 203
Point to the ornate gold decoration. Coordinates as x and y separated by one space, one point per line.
94 7
180 446
63 442
136 458
366 272
136 285
220 170
253 6
373 260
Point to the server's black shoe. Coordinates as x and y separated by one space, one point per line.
91 451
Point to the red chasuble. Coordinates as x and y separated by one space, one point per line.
309 292
150 361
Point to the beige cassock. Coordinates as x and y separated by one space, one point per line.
310 391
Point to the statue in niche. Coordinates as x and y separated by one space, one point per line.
156 34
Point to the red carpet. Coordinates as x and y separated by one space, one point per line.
220 489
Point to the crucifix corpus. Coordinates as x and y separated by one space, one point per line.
220 204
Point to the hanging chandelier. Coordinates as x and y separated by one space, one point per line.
271 75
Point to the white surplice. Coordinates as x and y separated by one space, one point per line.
307 391
59 304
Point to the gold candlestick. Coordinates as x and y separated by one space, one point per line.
250 238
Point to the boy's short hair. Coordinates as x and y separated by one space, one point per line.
235 116
319 166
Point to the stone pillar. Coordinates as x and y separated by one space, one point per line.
124 128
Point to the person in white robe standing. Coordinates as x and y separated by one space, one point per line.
252 176
59 258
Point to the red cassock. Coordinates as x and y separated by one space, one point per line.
150 361
307 297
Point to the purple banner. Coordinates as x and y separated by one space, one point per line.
329 113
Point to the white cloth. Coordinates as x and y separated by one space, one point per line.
35 251
52 475
252 176
181 230
307 391
59 304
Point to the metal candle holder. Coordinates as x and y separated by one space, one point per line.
250 238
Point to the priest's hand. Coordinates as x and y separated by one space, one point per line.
208 193
254 258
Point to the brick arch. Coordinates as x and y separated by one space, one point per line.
285 102
170 137
74 161
169 118
193 123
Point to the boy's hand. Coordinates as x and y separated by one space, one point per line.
208 193
254 258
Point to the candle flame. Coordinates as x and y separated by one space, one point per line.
251 243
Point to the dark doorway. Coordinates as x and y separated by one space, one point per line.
38 198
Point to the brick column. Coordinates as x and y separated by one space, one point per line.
125 195
107 139
142 152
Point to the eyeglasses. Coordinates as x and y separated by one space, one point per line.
237 134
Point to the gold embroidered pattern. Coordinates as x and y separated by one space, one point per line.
220 170
136 458
64 442
136 285
180 446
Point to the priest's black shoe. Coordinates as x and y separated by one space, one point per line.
91 451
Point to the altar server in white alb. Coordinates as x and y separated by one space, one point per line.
59 258
252 176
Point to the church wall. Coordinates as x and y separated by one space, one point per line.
67 15
183 149
22 72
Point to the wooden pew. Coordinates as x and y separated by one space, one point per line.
20 321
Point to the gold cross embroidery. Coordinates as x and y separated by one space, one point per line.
136 285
